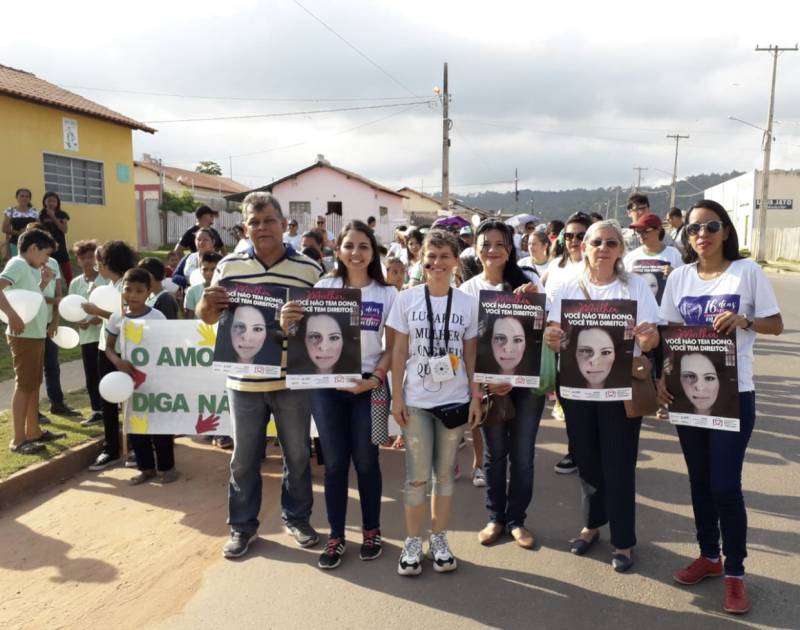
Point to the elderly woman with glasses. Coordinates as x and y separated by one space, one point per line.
605 441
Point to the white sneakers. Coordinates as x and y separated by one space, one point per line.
438 550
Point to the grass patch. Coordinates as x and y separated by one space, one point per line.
161 254
7 371
76 434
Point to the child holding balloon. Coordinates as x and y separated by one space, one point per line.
114 258
89 327
27 274
136 284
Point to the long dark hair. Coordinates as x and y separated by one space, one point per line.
579 217
730 246
55 196
374 269
420 238
512 274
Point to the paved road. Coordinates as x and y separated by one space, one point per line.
96 552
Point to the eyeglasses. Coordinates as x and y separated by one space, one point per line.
644 231
638 208
712 227
577 235
611 243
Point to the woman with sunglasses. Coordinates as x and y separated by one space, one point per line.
508 456
719 288
604 439
558 272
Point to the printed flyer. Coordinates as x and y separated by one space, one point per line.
510 328
702 375
596 356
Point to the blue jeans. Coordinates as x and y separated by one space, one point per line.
509 446
250 413
714 460
431 450
344 422
52 373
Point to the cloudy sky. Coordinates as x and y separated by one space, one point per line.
573 95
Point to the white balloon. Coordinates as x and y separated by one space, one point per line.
196 277
70 308
107 298
116 387
25 303
66 337
170 286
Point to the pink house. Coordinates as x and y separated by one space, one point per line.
339 195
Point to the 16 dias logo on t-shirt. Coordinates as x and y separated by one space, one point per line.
702 309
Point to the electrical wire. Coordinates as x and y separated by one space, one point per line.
362 54
286 114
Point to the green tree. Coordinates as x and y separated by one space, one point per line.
208 168
178 203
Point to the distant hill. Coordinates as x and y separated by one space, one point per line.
559 204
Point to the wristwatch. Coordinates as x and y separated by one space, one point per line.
749 322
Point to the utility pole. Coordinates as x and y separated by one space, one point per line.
616 204
447 124
639 178
677 137
761 223
516 192
230 166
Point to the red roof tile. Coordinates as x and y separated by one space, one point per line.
199 180
27 86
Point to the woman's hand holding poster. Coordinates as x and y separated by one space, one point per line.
510 327
249 338
701 374
324 347
596 355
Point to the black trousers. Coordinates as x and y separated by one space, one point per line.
92 374
144 445
110 410
605 445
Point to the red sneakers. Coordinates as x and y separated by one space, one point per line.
736 600
699 569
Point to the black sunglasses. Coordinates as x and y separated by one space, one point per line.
712 227
611 243
570 235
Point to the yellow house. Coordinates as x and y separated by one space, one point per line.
54 140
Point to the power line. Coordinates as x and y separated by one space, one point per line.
363 55
270 99
287 114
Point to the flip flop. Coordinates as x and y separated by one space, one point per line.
27 448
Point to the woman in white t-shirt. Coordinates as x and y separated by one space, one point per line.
718 287
604 439
432 364
538 257
344 416
652 250
508 456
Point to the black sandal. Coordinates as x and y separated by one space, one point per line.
49 436
27 448
579 546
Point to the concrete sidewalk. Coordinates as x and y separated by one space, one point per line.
72 379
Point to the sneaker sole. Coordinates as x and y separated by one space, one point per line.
707 575
410 571
564 471
368 558
303 545
95 468
229 554
443 568
737 611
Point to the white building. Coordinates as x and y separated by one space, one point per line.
740 196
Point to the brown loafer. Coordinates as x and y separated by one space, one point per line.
523 537
490 533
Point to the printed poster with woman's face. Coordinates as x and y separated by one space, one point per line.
510 327
249 338
596 357
701 373
652 271
324 347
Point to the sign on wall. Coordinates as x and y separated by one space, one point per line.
70 127
777 204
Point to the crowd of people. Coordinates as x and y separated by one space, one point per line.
418 353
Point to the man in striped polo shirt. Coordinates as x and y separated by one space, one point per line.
252 398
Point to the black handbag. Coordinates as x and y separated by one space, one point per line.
496 409
453 415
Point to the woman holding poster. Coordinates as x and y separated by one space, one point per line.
604 439
509 445
344 416
433 359
719 288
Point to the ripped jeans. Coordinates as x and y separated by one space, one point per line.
431 450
